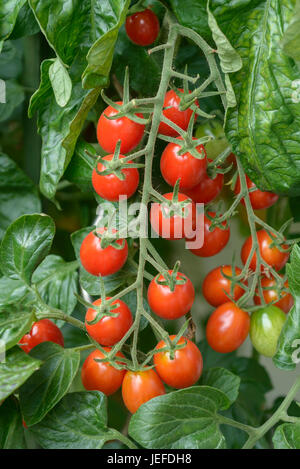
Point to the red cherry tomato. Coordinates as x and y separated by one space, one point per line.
271 255
227 328
186 167
41 331
172 112
215 285
285 303
207 190
259 199
142 27
101 376
171 304
102 261
139 387
110 131
110 187
214 241
109 330
177 226
184 369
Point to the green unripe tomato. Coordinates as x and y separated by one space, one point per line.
265 328
215 130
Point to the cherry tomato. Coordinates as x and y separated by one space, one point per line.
227 328
265 329
101 376
285 303
176 226
186 167
41 331
102 261
169 304
214 241
139 387
142 27
172 112
109 330
259 199
271 255
215 286
207 190
110 187
184 369
110 131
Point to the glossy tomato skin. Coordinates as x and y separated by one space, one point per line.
110 187
41 331
265 329
174 227
285 303
186 167
169 304
109 330
98 261
110 131
172 112
186 367
139 387
227 328
207 189
101 376
214 241
259 199
142 27
271 255
215 285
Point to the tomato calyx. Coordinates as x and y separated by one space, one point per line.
216 220
116 164
128 107
109 238
175 207
171 279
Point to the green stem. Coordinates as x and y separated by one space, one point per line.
280 414
115 435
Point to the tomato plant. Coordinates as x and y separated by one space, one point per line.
112 335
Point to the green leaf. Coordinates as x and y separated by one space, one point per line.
11 428
18 194
14 96
287 436
61 82
264 129
230 60
16 369
11 60
11 291
59 127
13 325
193 14
182 419
9 10
80 169
79 421
288 349
222 379
25 244
57 283
89 282
291 38
50 383
26 24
